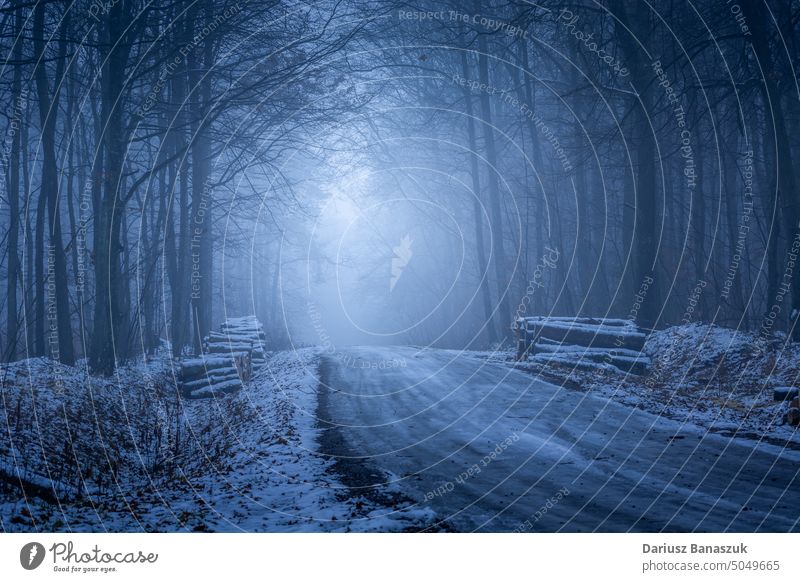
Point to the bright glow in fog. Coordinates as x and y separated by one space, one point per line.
382 267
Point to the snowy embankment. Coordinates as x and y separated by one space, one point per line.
714 377
124 454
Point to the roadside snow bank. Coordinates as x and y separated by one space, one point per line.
124 454
718 378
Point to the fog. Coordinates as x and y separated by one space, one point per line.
376 173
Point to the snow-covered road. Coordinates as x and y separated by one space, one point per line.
490 448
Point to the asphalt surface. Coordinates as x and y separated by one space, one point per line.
490 448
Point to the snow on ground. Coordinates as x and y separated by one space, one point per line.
715 377
485 446
121 454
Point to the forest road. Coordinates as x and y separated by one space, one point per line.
490 448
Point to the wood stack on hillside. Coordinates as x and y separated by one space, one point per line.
229 358
793 414
582 342
239 334
789 394
208 376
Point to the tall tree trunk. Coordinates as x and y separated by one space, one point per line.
156 244
587 262
788 197
201 244
644 285
109 335
699 207
30 282
173 275
18 100
39 278
539 212
74 226
478 209
176 256
496 216
48 111
732 210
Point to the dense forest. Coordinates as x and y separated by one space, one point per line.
365 171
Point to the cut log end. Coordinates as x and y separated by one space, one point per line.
783 393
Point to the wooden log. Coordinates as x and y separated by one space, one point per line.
235 336
216 389
227 348
583 335
782 393
199 367
222 372
191 386
244 365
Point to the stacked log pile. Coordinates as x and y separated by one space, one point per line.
792 395
208 376
229 358
239 334
582 342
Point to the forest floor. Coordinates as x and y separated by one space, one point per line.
706 375
124 454
111 454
